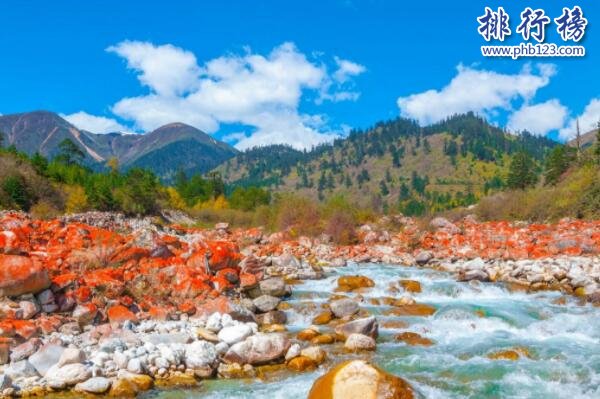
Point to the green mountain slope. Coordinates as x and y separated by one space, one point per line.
393 164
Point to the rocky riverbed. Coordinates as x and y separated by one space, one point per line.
102 304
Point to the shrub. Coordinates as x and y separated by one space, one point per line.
17 192
44 210
77 200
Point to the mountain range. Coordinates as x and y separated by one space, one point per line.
165 150
394 163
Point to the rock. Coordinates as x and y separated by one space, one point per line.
213 323
70 374
97 385
274 286
350 283
29 309
411 285
21 275
207 335
412 338
85 314
20 369
4 353
301 363
357 379
234 334
200 356
25 350
265 303
415 309
292 352
444 224
323 318
119 314
128 384
135 366
272 317
510 354
478 275
314 353
358 342
307 334
367 326
46 357
71 355
286 260
423 257
258 349
235 370
344 308
5 382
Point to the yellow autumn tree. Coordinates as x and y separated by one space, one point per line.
77 200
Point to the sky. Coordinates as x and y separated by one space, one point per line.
262 72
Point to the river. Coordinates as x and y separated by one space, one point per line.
472 321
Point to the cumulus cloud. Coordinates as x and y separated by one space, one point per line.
93 123
476 90
539 119
261 91
347 69
166 69
588 120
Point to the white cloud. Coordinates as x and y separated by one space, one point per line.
475 90
262 92
347 69
166 69
539 118
93 123
588 120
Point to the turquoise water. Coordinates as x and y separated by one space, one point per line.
563 341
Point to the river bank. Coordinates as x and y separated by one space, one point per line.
104 304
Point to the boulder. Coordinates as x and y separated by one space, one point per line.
301 363
200 356
258 349
97 385
273 286
314 353
85 314
21 275
350 283
323 318
293 352
20 369
25 350
272 317
70 374
5 382
367 326
46 357
265 303
358 342
70 356
234 334
357 379
119 314
344 308
412 338
423 257
286 260
411 285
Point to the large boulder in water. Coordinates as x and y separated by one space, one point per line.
21 275
358 379
258 349
367 326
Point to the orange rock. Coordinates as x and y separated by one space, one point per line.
350 283
323 318
357 379
307 334
20 275
411 285
301 363
417 309
510 354
118 314
412 338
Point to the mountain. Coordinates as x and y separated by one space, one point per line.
394 164
164 150
587 140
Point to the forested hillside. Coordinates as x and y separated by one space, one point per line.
395 164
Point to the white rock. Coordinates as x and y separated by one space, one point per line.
359 342
234 334
135 366
70 374
94 385
200 354
293 352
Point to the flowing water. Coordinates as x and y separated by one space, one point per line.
472 321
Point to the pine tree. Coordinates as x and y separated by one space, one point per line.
383 188
521 173
557 163
70 153
1 139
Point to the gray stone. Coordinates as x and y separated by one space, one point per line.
25 350
20 369
423 257
273 286
272 317
344 308
367 326
96 385
70 374
234 334
46 357
356 342
5 382
70 356
265 303
200 355
258 349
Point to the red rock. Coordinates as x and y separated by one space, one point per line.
118 314
223 254
20 275
25 328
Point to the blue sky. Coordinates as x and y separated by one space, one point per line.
257 72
